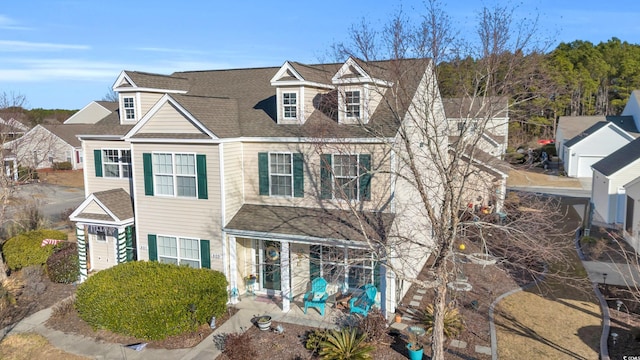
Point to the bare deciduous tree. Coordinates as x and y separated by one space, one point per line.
440 166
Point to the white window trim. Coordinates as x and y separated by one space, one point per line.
125 108
283 105
174 174
178 256
276 174
345 265
356 178
347 105
120 163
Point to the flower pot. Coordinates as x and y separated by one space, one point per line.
415 354
264 323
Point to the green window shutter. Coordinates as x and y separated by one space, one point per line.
326 188
147 167
130 244
97 160
205 254
201 165
263 173
298 175
365 177
153 247
314 261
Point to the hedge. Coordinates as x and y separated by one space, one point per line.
26 249
62 265
151 300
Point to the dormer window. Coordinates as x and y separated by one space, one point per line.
352 102
290 105
129 108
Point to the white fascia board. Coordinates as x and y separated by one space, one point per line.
262 140
294 238
120 79
363 80
163 100
303 83
152 90
283 70
99 137
89 222
86 202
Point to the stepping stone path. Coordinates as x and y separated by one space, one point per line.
411 313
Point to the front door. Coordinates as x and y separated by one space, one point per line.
270 266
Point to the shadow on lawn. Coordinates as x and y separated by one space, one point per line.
511 325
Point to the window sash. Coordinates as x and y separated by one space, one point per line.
129 108
281 174
345 172
179 251
175 174
116 163
290 105
352 101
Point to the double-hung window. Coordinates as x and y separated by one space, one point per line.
179 251
129 108
281 174
116 163
342 265
290 105
352 103
175 174
345 176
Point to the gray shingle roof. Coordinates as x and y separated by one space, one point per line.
117 201
310 222
593 128
572 126
468 108
619 158
158 81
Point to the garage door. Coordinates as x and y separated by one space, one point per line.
584 165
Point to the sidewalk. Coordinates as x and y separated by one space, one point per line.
249 308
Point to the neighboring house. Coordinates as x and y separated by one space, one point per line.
11 129
93 112
45 145
632 214
466 115
282 172
594 144
609 178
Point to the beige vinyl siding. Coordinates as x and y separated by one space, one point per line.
299 268
102 253
38 146
147 100
90 114
244 262
175 216
93 183
232 178
379 183
94 208
374 96
168 120
310 94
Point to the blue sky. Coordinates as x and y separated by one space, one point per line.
66 53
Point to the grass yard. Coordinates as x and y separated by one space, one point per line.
72 178
32 346
532 327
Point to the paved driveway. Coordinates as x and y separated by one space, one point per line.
51 199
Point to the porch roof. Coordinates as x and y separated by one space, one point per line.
115 207
312 222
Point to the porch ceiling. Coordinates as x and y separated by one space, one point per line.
312 222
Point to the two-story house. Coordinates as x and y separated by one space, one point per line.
287 173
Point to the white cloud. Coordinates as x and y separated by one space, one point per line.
22 46
9 24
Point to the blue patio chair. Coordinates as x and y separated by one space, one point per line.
317 297
362 304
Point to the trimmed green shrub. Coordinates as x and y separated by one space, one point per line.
25 249
151 300
64 165
63 266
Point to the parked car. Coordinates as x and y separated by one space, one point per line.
546 141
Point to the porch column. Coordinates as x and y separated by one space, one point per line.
233 271
121 245
82 251
388 296
285 282
15 170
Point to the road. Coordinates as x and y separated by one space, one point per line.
51 199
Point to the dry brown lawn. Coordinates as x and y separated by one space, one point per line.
532 327
72 178
32 346
532 178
